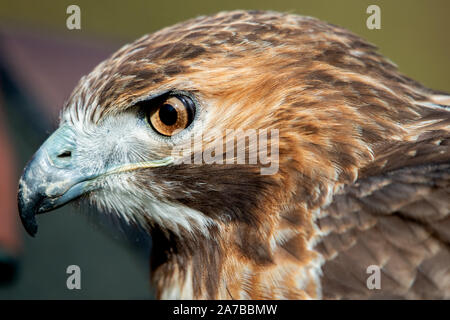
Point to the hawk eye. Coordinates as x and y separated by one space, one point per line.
171 115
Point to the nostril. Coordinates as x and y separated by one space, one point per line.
65 154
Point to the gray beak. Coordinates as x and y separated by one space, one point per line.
51 179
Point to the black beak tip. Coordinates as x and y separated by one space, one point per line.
29 222
30 226
27 216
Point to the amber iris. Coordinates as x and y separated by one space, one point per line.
170 116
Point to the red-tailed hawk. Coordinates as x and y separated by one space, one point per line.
357 160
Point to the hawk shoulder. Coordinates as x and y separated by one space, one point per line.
395 216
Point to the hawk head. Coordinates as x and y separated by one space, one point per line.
153 134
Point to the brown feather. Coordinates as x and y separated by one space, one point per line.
364 161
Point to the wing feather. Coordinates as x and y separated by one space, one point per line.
397 217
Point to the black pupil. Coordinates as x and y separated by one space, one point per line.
168 115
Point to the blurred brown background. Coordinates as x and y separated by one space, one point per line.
41 61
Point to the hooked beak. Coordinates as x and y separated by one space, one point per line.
52 178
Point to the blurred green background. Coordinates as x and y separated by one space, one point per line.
414 35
